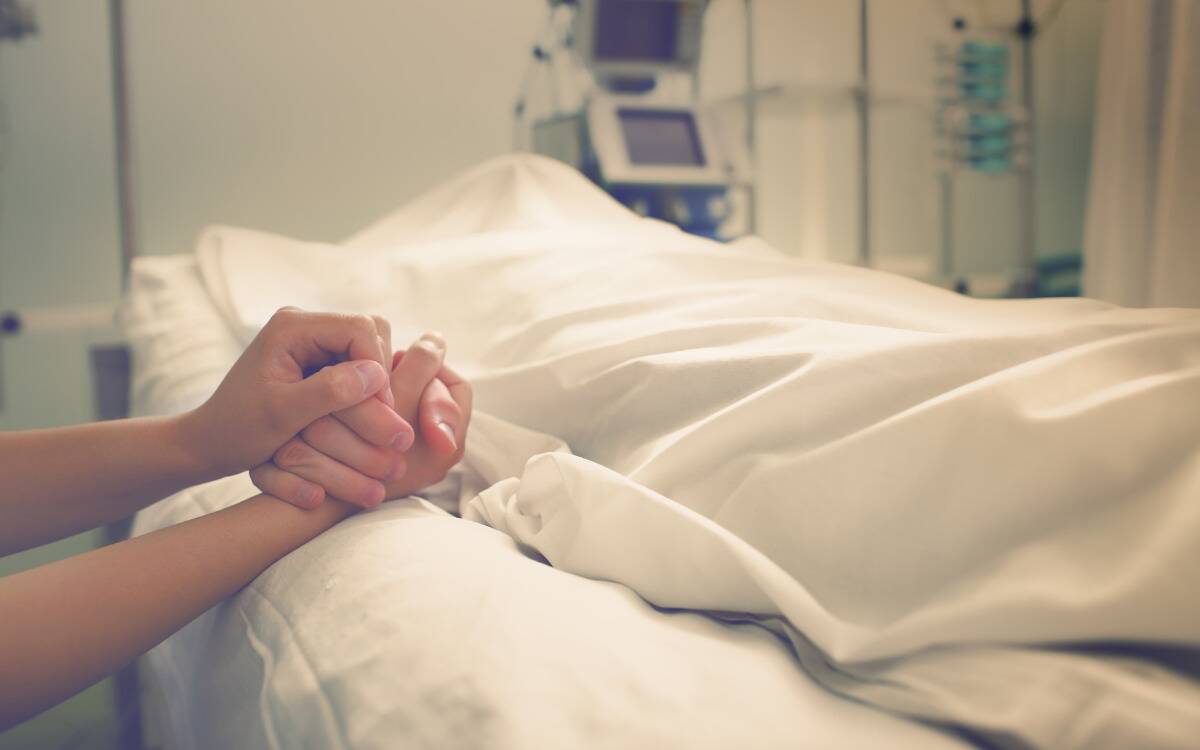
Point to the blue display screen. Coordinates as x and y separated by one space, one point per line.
661 137
643 30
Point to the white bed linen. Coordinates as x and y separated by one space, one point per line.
922 491
406 627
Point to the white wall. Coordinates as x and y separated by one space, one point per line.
313 118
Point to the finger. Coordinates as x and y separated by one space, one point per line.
339 480
460 391
288 487
440 418
384 329
378 424
317 338
329 436
416 368
464 396
331 389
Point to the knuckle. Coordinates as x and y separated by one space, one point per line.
364 323
422 354
365 490
380 466
320 430
372 464
343 385
284 315
293 454
260 478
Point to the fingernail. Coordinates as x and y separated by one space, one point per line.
310 495
403 441
432 345
369 374
399 470
449 433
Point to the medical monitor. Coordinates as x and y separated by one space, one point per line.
661 137
642 141
636 30
638 38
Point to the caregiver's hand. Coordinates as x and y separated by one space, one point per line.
265 399
425 391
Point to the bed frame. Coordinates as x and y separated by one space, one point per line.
110 388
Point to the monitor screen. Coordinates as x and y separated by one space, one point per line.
663 138
636 30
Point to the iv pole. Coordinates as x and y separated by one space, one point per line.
751 116
1026 284
123 151
864 144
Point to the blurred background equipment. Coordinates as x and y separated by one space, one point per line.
16 20
980 126
633 123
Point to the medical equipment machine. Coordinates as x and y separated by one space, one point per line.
981 128
656 151
660 160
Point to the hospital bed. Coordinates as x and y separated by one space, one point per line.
712 497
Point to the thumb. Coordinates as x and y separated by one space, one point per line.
334 388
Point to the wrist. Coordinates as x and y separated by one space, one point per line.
195 447
311 521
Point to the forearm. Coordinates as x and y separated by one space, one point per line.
62 481
68 624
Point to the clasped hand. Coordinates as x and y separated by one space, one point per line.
347 429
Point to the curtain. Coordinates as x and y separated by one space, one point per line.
1142 234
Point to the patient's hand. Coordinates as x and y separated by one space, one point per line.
329 456
436 400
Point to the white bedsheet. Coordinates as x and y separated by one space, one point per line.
923 492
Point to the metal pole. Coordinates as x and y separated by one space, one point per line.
946 267
751 108
1027 283
864 130
123 147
